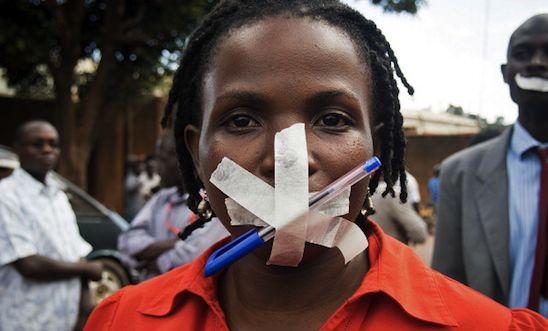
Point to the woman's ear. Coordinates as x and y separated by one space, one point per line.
192 143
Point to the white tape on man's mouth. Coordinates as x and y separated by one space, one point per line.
285 206
536 84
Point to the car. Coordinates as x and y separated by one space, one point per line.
100 227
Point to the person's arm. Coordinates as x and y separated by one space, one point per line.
156 249
17 248
447 257
187 250
39 267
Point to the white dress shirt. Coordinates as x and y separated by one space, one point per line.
37 219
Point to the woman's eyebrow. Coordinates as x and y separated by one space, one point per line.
243 96
323 97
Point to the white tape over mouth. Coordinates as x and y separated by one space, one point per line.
340 205
536 84
285 206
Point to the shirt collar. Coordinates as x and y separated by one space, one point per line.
187 278
387 261
34 186
402 275
522 141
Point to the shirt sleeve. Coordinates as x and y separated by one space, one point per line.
79 245
138 237
413 192
525 319
16 238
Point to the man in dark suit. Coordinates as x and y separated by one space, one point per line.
491 201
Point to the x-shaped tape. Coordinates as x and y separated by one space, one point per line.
285 206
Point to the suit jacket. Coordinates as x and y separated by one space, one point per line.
472 234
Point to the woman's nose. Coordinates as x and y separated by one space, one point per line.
312 164
266 160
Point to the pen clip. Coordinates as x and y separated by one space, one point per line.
232 251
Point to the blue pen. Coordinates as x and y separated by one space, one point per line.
247 242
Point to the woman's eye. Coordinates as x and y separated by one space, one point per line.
334 120
242 121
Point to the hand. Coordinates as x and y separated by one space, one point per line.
93 270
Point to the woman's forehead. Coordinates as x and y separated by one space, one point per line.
289 32
291 50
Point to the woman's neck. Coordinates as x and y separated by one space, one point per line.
316 288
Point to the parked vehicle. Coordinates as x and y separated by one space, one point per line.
100 227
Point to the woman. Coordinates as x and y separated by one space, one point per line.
252 69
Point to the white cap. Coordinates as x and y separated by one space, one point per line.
9 163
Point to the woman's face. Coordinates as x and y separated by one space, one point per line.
270 75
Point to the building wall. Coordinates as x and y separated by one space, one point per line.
134 134
423 152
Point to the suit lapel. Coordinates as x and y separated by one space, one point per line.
492 203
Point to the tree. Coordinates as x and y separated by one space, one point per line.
89 55
399 6
455 110
498 125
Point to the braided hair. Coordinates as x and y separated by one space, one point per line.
373 48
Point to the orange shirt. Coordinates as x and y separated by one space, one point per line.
398 293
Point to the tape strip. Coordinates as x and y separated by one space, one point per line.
244 188
241 216
336 232
290 195
252 201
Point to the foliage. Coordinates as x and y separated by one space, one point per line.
147 48
399 6
146 45
497 124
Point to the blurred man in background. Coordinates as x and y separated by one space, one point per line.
492 231
149 180
133 199
152 237
42 270
433 184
